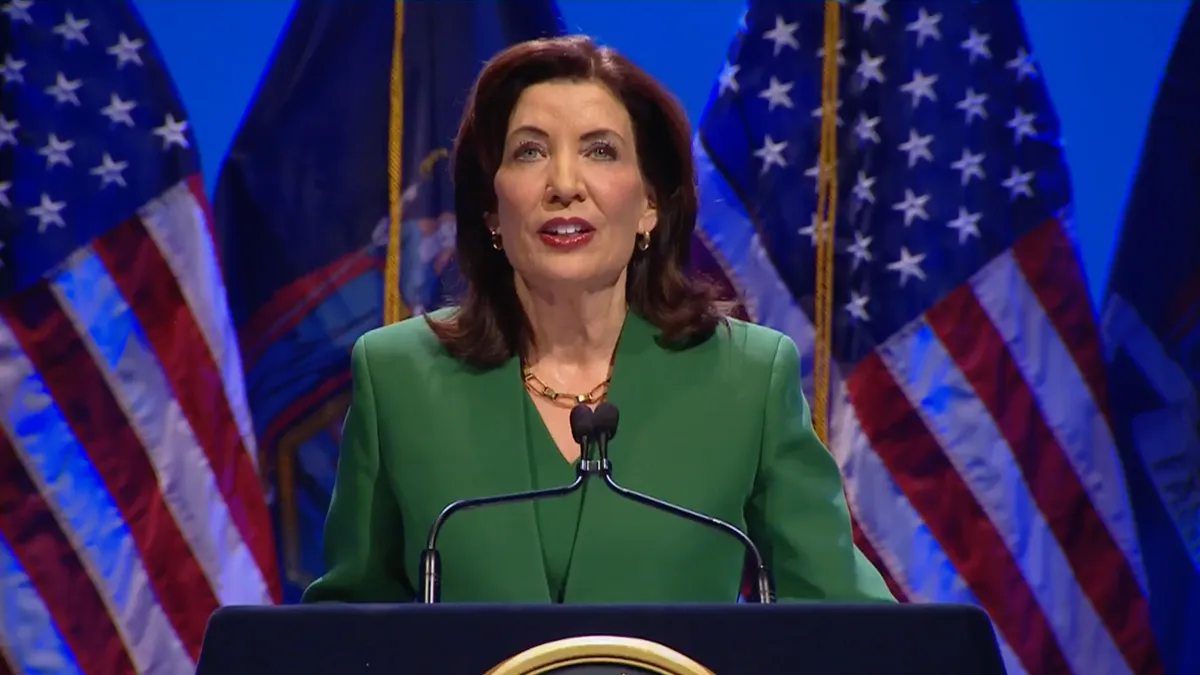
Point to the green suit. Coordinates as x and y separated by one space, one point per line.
721 428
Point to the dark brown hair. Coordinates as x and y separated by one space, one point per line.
489 325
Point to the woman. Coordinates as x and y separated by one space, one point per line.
576 202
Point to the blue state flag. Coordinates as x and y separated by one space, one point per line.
301 211
1152 330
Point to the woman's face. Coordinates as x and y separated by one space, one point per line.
570 196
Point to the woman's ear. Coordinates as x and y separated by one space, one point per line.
649 219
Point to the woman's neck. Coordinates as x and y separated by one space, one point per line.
574 332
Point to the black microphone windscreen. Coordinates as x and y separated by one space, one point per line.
582 422
605 420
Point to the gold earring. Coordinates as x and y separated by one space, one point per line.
497 241
643 241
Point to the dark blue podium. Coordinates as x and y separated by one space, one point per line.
745 639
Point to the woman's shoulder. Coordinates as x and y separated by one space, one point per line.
754 343
411 338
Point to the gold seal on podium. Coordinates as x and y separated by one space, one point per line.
599 655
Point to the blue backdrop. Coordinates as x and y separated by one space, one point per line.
1102 60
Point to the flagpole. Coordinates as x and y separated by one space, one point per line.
826 218
393 305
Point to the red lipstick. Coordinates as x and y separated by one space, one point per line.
564 233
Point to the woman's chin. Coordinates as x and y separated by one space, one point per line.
563 275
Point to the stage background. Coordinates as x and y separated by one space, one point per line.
1102 60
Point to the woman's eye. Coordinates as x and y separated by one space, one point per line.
527 151
603 151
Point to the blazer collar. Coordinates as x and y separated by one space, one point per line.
634 362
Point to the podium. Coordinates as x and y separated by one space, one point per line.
497 639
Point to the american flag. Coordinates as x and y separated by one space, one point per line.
130 505
967 396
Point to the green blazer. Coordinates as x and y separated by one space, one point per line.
721 428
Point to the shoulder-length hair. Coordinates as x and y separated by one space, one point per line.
489 325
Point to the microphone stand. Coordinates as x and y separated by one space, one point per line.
764 592
431 562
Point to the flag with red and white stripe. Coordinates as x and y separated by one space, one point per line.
130 503
968 400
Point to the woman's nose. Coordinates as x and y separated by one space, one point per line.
563 183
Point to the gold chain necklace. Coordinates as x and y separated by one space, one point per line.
566 400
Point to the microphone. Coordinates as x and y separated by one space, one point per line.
582 430
604 429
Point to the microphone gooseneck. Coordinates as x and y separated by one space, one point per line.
604 428
583 431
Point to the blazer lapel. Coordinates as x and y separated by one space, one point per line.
637 381
497 404
636 374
